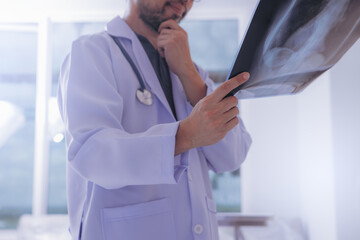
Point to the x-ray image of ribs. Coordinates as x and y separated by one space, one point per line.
297 42
299 14
306 38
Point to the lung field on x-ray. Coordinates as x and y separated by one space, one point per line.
295 43
291 42
302 12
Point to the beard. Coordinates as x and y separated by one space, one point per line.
154 17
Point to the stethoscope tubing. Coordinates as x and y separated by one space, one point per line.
131 62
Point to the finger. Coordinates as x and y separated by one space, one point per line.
228 103
231 124
162 43
167 31
169 24
162 46
230 114
164 37
226 87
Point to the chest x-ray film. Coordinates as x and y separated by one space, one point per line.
289 43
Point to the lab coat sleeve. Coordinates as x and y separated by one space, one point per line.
99 149
230 152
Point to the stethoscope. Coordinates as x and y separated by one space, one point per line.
143 95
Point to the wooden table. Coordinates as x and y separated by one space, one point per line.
238 220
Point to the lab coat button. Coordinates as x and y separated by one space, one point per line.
198 229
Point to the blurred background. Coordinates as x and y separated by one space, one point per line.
302 169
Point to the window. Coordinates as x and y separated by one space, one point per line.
17 116
61 47
213 45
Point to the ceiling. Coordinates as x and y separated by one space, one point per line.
28 10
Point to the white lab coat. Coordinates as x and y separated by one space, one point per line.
122 177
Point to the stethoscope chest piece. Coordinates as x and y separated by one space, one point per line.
144 96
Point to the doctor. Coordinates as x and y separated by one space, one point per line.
143 127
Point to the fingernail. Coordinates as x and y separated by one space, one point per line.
246 76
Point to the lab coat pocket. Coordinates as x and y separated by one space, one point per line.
211 205
150 220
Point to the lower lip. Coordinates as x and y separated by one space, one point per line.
177 10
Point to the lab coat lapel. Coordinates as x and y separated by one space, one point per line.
118 28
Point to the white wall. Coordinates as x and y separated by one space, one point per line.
305 159
315 160
268 175
345 100
289 170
